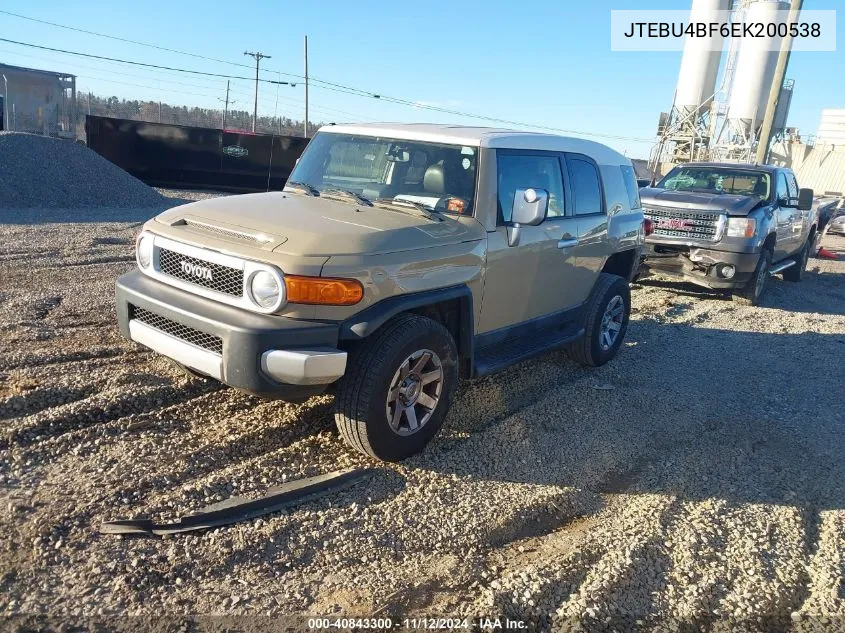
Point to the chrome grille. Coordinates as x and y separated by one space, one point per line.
183 332
222 278
684 224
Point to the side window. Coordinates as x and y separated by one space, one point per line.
586 186
630 178
781 190
521 171
792 185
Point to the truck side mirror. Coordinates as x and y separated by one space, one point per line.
529 209
805 199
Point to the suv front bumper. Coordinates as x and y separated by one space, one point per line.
701 266
265 355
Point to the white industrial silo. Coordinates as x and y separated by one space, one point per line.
682 134
700 62
755 70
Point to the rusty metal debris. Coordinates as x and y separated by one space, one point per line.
241 509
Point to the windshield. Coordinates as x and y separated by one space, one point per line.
433 176
718 180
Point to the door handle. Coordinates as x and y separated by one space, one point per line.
567 243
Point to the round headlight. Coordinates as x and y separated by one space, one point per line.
264 289
145 251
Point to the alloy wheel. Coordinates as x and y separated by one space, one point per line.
414 392
611 322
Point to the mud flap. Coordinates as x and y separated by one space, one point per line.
241 509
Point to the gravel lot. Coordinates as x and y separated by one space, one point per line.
697 480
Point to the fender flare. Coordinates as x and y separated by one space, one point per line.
364 323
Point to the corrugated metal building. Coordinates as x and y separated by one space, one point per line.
37 101
831 128
820 167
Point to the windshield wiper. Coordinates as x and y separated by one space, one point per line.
303 186
345 193
423 210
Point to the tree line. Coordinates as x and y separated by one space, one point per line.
159 111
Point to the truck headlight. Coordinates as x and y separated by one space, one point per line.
264 289
144 250
742 227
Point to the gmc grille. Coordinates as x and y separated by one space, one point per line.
688 225
222 278
177 330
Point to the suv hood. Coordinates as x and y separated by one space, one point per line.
729 203
296 224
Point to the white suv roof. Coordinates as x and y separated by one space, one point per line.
483 137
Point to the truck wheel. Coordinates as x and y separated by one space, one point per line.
605 324
752 293
398 388
796 272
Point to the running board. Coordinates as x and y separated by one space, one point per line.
495 357
774 270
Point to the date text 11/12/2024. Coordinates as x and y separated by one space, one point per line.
479 623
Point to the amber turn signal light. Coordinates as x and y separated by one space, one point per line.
323 290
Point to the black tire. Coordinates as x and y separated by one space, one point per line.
361 405
796 272
591 350
751 294
191 373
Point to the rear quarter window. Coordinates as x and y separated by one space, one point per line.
629 176
615 191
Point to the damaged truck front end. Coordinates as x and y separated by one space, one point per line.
707 229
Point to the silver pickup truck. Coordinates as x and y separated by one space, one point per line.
398 259
729 226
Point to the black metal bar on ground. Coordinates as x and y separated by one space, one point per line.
240 509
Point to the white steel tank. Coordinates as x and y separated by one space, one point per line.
699 64
755 67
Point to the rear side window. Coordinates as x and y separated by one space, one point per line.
586 186
630 178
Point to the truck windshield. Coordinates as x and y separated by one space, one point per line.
389 171
718 180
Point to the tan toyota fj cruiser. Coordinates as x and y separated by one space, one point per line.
398 259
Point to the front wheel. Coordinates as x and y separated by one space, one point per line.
752 293
398 388
605 323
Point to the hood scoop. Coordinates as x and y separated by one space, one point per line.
230 232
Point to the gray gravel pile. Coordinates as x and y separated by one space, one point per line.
697 480
39 172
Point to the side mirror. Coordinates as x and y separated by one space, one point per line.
529 209
805 199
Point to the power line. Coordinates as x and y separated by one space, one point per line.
328 85
126 61
122 73
123 39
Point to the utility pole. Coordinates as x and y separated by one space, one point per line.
226 103
257 56
89 103
159 111
5 102
305 130
777 84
